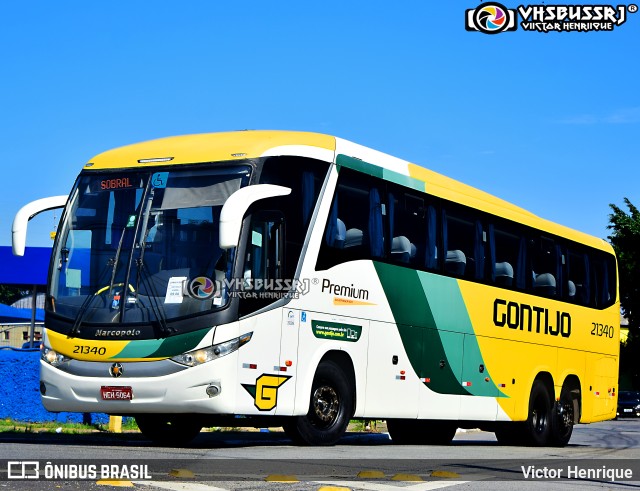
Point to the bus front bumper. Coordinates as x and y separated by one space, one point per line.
207 389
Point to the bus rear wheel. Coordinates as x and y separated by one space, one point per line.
330 409
421 432
168 429
538 424
563 417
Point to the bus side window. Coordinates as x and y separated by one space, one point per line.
544 267
354 228
463 238
264 259
604 280
407 227
505 263
577 268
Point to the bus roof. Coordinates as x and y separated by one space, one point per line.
207 147
239 145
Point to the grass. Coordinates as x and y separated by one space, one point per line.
10 425
129 425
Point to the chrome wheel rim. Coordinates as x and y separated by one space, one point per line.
326 404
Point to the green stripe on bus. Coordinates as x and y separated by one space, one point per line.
379 172
163 348
417 327
139 349
182 343
359 165
450 313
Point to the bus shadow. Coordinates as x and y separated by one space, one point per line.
213 440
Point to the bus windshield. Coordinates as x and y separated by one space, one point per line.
143 246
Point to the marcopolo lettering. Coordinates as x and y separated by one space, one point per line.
530 318
102 333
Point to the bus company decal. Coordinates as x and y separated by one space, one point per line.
265 390
337 331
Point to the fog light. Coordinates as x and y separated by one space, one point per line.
43 388
213 390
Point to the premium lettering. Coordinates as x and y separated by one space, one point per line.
344 291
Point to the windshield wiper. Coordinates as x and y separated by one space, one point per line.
113 263
156 306
143 271
75 329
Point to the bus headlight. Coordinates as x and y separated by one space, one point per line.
53 358
204 355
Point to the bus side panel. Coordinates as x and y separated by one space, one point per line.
514 366
320 333
571 362
392 384
601 384
476 376
262 384
288 360
441 373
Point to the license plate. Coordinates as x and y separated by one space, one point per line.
628 410
111 393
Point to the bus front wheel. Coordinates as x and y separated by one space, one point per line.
330 408
168 429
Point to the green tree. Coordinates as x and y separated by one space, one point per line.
625 239
11 293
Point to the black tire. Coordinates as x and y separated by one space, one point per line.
563 416
168 429
330 408
537 428
421 432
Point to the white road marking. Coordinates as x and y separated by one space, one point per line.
378 486
360 485
180 486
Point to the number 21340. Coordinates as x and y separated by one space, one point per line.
602 330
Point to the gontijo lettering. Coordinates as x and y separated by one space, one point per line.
530 318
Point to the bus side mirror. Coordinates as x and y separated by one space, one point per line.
26 213
237 205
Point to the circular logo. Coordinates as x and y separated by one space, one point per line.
116 370
491 18
202 288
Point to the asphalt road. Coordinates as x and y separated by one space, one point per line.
249 461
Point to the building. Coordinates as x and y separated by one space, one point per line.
23 321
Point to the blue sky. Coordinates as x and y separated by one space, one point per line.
550 122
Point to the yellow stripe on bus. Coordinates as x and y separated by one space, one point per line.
85 349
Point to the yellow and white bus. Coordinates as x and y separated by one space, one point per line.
300 280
